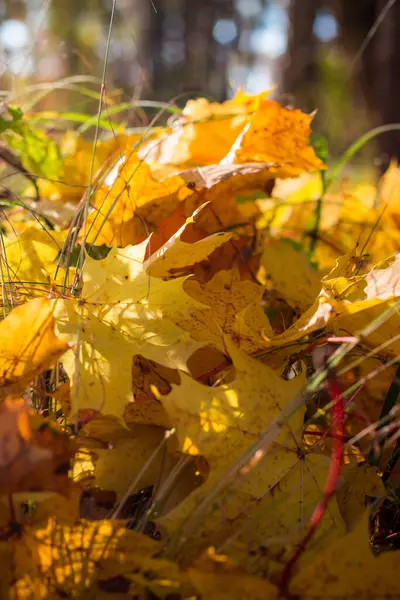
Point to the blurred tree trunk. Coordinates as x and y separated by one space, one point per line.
198 32
186 58
378 68
374 73
158 50
301 75
219 54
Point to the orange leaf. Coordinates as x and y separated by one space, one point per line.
279 136
203 133
128 209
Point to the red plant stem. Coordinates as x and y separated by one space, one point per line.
335 394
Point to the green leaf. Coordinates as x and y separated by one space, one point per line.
12 123
39 154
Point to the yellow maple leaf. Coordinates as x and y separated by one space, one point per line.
28 344
122 312
143 455
370 297
348 216
222 423
30 259
345 305
217 577
75 558
292 276
220 300
359 481
347 569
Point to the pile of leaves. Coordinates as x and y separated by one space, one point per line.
198 360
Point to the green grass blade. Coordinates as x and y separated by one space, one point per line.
356 147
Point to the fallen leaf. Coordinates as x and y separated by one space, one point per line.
177 257
278 136
51 556
348 569
359 482
77 155
219 186
122 312
128 207
31 259
221 423
28 344
219 578
220 300
143 461
292 276
203 133
34 456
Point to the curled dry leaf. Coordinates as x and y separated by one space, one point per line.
253 329
137 203
220 186
345 306
177 257
367 299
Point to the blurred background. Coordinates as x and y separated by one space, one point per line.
341 57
